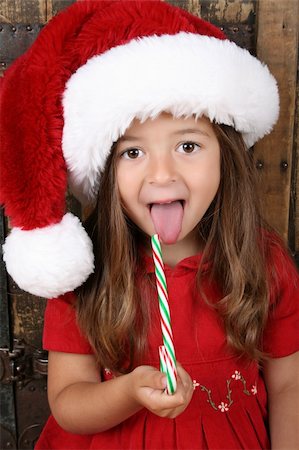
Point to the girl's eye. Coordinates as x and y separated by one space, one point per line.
188 147
132 153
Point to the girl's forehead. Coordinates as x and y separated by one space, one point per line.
166 121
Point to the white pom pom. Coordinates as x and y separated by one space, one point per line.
49 261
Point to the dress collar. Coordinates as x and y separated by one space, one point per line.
191 263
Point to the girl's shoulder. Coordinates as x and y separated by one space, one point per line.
61 330
275 250
281 335
280 266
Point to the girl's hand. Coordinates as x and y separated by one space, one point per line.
148 389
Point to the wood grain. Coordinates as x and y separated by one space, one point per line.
277 46
20 11
296 175
226 10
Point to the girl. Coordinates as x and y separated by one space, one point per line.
152 112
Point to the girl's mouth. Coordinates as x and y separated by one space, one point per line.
167 217
166 202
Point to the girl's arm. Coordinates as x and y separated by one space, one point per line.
82 404
282 381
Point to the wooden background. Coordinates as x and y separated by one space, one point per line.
268 28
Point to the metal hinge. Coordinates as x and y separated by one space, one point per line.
22 364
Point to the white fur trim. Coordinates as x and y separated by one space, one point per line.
183 74
49 261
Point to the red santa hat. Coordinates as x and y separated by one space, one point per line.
92 70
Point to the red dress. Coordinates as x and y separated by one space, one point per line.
228 409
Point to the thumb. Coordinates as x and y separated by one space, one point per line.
155 379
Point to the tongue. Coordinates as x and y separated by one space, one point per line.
167 220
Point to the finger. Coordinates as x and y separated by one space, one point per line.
153 379
182 371
184 378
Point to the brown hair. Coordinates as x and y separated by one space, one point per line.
110 310
237 243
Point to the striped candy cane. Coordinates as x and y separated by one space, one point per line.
167 368
167 353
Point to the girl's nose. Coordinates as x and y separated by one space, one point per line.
161 169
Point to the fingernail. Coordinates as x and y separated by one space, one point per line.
164 381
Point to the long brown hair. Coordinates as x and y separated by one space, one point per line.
237 241
110 310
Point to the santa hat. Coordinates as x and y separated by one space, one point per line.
92 70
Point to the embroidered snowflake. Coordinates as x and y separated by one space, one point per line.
254 390
223 407
236 375
195 384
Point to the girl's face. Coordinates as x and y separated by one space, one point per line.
164 160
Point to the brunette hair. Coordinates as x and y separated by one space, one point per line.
109 307
237 241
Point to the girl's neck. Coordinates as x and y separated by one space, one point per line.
189 246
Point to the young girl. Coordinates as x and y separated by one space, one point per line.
151 111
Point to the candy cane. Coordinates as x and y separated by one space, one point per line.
167 352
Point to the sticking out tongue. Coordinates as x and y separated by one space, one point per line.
167 218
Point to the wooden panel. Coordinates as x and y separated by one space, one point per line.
295 217
15 39
277 46
20 11
294 203
227 11
236 18
193 6
20 23
54 6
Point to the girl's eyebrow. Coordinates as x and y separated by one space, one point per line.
128 138
191 131
175 133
